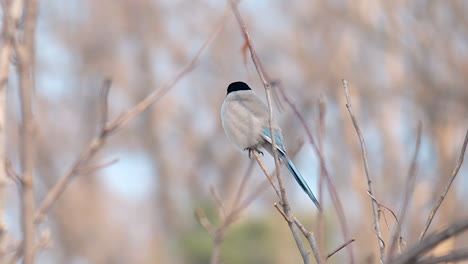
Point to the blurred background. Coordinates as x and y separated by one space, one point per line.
405 61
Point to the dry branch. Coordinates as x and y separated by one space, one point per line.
340 248
312 242
411 255
408 194
109 128
324 171
447 187
453 256
375 206
25 67
266 84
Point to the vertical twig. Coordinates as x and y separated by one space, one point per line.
323 168
312 242
321 216
11 13
25 66
447 188
266 84
408 193
375 207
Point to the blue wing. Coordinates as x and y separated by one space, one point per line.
289 164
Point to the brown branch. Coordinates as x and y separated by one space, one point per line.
321 216
447 187
375 208
340 247
453 256
312 242
265 171
11 14
286 218
93 168
114 126
25 67
324 171
412 254
266 84
219 233
12 174
408 194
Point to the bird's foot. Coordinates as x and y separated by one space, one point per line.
253 149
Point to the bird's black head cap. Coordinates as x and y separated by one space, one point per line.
237 86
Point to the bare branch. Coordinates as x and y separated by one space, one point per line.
408 194
265 171
375 208
453 256
282 213
447 187
312 242
114 126
93 168
324 171
340 248
25 66
412 254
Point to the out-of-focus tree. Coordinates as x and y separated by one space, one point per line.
404 61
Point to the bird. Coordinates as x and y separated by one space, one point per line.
245 119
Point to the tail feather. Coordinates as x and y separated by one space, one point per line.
297 175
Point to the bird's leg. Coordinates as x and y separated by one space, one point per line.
253 149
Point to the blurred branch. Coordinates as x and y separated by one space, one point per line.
340 248
107 129
266 84
447 187
375 208
408 194
93 168
265 171
11 14
312 242
324 171
453 256
322 107
411 255
230 217
25 53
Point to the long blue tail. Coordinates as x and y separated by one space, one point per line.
282 154
297 175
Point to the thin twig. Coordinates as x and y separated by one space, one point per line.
320 132
243 185
408 194
312 242
266 84
93 168
340 247
324 171
11 15
282 213
231 216
106 85
218 202
25 52
447 187
375 208
454 256
428 243
265 171
118 123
